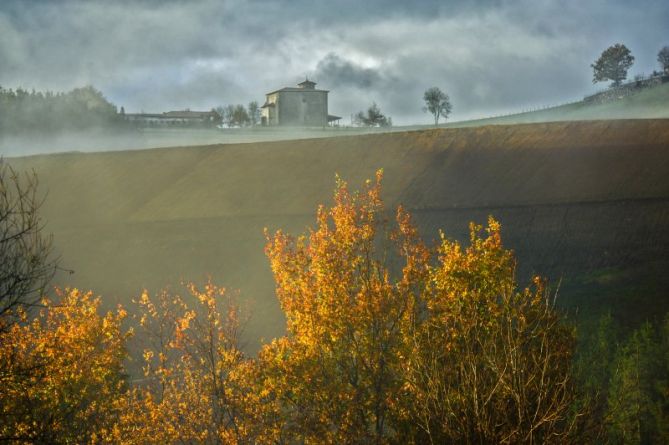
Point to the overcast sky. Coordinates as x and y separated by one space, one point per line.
490 56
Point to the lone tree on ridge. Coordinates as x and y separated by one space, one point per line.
663 58
437 103
613 64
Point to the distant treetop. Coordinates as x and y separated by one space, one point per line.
613 64
663 58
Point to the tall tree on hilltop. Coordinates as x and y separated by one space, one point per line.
437 103
663 58
613 64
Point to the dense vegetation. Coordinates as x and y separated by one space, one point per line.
388 341
84 108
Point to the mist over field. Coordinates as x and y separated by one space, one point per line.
648 104
105 140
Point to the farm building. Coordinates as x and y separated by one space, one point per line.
301 106
176 118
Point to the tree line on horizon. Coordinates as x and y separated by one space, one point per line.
236 116
388 340
38 112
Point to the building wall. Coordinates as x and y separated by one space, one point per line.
270 115
308 108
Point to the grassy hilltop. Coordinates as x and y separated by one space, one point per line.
648 103
586 201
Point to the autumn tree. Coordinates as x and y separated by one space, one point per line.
663 59
489 363
337 371
61 372
613 64
26 260
392 342
437 103
191 351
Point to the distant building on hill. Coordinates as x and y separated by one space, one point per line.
304 106
185 118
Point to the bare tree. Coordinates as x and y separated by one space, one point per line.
437 103
254 113
26 261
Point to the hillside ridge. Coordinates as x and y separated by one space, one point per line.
572 198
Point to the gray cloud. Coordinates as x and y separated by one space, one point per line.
490 56
336 71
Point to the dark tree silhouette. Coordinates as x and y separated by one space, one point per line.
613 64
26 262
437 103
373 118
663 58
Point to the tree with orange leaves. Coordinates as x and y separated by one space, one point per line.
61 372
340 366
191 350
489 363
391 342
388 341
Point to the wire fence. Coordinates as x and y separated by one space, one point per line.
534 109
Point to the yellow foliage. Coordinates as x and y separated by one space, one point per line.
388 341
60 373
191 352
391 342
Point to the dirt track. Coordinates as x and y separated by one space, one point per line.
573 197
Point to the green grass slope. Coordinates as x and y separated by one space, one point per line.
573 197
649 103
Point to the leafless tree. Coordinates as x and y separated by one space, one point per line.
27 263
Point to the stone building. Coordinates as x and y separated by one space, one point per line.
301 106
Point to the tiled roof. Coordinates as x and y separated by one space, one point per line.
295 89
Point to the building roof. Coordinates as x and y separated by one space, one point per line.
188 114
185 114
146 115
267 104
307 84
332 117
296 89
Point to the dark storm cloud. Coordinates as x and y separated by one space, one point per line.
335 71
490 56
